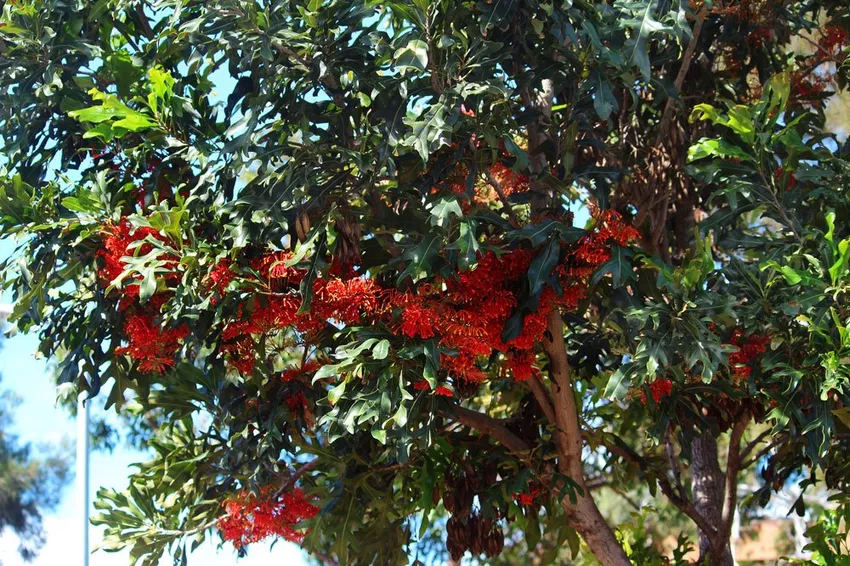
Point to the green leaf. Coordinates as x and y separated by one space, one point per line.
839 268
618 383
306 287
717 148
413 56
381 349
515 150
604 101
443 210
467 245
420 258
147 287
112 108
619 266
335 394
540 270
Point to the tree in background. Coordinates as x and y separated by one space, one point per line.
390 270
29 484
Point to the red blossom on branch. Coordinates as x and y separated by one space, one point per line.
251 518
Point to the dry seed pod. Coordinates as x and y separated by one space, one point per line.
490 474
302 226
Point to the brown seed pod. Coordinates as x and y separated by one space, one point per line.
490 474
302 226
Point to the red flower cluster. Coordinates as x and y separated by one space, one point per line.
834 38
510 182
150 343
749 348
425 386
219 278
293 374
117 243
349 301
250 518
468 312
659 389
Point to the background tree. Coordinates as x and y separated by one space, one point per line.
30 484
436 264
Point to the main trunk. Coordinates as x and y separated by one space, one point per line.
584 515
708 489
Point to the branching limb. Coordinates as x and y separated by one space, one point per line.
687 58
290 481
493 428
544 399
745 453
681 503
776 442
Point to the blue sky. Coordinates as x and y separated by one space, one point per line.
38 420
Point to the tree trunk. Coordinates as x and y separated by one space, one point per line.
708 490
584 515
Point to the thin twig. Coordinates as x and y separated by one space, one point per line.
502 196
745 453
776 442
681 503
291 480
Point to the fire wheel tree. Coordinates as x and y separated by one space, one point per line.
408 279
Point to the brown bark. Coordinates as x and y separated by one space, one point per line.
584 515
708 490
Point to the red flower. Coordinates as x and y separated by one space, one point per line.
421 385
527 498
749 348
251 518
295 402
466 112
659 389
417 321
151 344
444 392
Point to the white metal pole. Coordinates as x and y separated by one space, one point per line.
83 475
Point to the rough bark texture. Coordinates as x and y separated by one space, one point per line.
708 490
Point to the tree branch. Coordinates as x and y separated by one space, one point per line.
745 453
674 463
544 399
733 465
290 481
502 196
776 441
687 58
568 437
681 503
489 426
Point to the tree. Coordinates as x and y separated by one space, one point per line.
437 265
29 485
